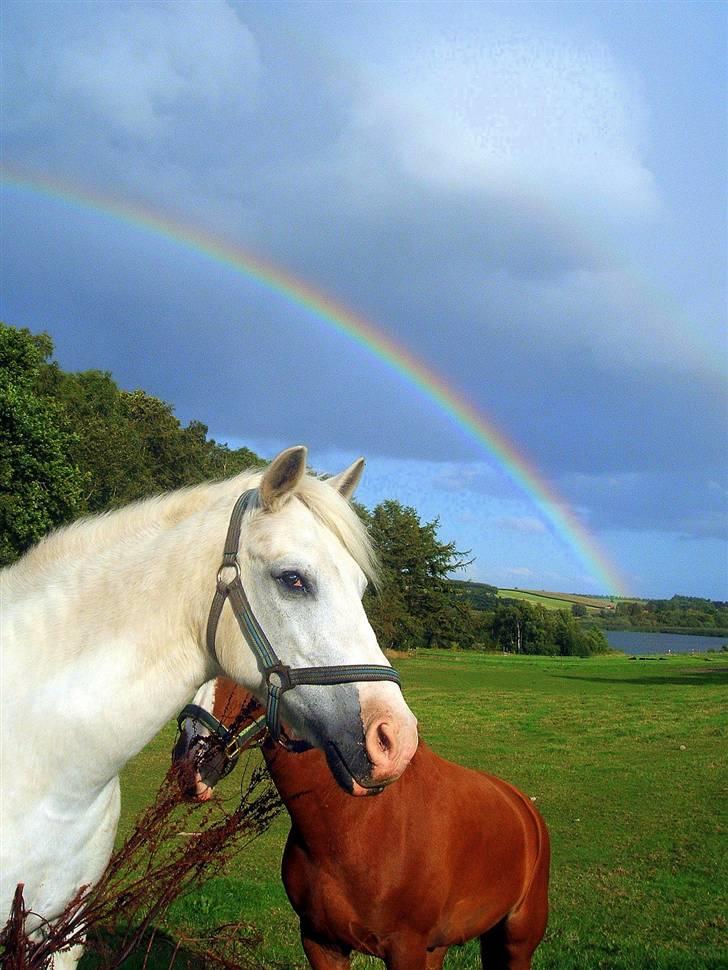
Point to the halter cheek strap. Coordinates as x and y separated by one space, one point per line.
279 677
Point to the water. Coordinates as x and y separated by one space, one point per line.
635 642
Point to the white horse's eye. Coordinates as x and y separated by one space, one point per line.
293 581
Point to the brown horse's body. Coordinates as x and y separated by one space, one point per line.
443 856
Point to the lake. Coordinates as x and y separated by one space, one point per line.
644 643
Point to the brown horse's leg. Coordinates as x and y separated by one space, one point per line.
436 958
409 955
497 953
324 956
510 944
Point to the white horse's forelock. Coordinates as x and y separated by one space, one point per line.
91 535
339 517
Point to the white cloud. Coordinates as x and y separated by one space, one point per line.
719 488
462 476
526 524
514 117
614 315
141 62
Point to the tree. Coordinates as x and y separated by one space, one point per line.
106 448
40 485
480 596
220 461
131 445
72 443
519 627
416 605
508 628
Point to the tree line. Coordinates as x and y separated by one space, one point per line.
681 614
74 444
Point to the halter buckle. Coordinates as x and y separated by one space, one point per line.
279 677
232 752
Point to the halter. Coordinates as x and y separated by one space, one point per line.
233 742
279 677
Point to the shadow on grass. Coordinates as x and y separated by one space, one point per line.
157 948
702 677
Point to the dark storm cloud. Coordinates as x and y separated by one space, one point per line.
685 503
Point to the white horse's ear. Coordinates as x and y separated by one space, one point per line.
282 476
347 481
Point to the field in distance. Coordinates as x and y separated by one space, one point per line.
559 601
482 593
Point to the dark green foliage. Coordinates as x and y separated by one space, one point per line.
516 626
76 443
416 605
131 445
480 596
41 487
679 613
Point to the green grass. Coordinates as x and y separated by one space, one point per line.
555 601
626 761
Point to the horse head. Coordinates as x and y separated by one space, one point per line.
300 560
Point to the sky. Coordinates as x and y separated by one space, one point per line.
528 200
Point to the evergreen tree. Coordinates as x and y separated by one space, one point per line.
416 606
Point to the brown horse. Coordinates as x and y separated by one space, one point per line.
444 856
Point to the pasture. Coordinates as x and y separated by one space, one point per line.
556 601
627 762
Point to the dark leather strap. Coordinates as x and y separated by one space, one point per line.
235 742
279 677
197 713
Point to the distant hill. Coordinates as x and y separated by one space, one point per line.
559 601
483 596
480 596
679 614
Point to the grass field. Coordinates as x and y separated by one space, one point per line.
556 601
626 761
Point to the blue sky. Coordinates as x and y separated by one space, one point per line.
530 197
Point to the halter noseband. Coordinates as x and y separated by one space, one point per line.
279 677
233 742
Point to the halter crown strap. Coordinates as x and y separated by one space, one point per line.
279 677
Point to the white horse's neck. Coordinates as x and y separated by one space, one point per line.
103 639
121 648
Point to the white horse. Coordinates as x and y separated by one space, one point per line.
103 640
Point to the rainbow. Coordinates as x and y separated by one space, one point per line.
368 335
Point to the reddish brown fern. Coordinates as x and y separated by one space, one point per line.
161 860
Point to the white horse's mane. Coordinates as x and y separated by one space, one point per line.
89 536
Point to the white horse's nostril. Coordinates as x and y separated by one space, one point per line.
385 742
381 744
